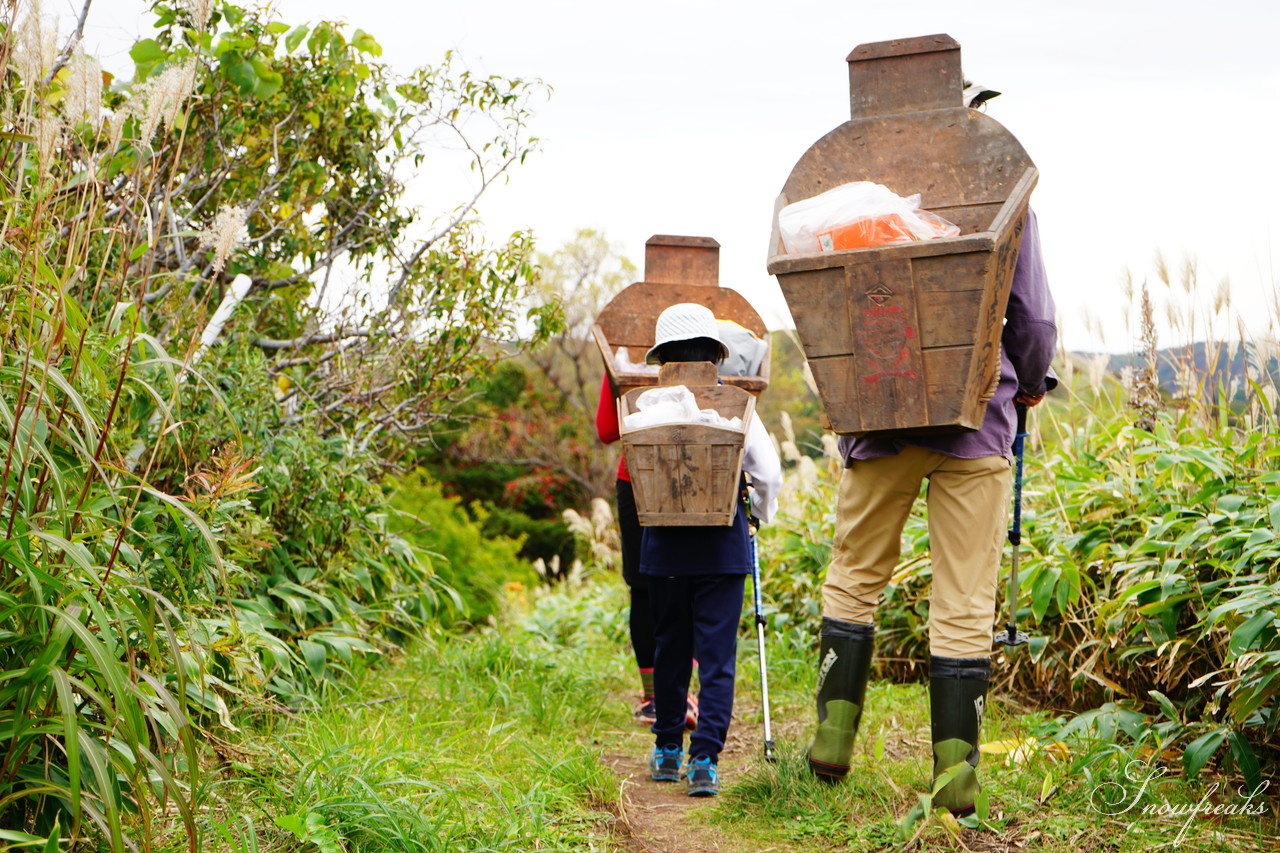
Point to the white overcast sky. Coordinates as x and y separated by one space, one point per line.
1154 124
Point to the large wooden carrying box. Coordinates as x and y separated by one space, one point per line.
906 338
676 269
688 474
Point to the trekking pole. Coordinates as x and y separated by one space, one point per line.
769 754
1011 636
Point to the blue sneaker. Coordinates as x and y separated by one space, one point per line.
701 777
664 764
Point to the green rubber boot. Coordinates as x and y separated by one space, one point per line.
957 700
845 662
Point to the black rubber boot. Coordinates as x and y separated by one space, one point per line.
845 661
957 701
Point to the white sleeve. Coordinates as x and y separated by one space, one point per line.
760 460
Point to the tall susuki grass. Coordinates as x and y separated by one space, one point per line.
101 671
1151 557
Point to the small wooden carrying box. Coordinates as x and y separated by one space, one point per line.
676 269
688 474
906 338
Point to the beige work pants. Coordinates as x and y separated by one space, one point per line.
968 502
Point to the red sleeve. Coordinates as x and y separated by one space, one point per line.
607 414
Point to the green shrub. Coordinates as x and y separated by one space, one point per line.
1152 575
550 540
462 553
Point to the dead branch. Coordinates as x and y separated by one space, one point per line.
308 340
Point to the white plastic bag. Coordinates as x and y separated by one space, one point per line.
816 224
622 360
746 351
674 404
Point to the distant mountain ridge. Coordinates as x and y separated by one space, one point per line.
1228 366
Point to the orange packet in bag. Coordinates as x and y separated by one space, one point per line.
881 230
864 232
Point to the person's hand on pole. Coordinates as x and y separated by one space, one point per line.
1028 399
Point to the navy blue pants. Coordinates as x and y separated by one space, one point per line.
695 616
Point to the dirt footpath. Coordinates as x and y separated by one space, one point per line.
659 817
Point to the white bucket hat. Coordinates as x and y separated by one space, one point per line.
685 321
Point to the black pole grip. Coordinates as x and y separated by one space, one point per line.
1015 532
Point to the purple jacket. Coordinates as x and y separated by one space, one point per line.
1028 344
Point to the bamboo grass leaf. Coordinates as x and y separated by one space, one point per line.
71 740
76 553
1246 759
1200 750
123 709
105 788
54 376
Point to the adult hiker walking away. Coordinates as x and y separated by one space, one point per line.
968 494
696 579
919 348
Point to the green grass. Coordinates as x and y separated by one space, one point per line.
494 741
470 743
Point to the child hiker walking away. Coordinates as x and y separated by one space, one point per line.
696 579
640 617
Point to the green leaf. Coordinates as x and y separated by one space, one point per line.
292 823
269 81
1230 503
1166 707
233 14
238 71
147 52
1042 593
945 777
366 43
76 552
1246 761
277 27
1200 750
913 816
51 846
314 654
295 38
319 39
1251 698
1259 536
1242 638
